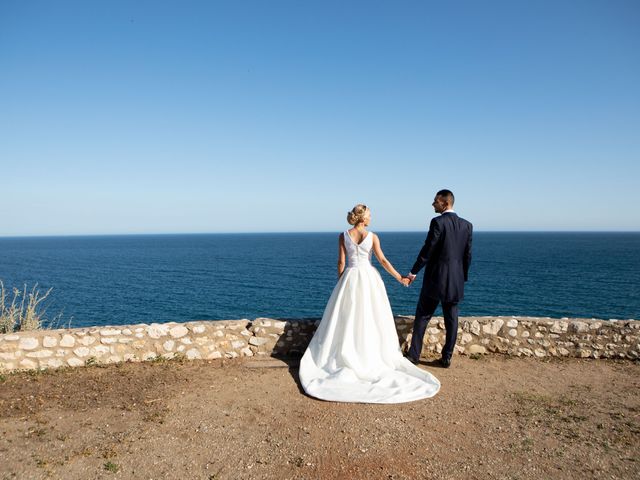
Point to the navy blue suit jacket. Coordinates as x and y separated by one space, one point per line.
446 256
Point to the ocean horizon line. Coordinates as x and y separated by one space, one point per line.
287 232
101 279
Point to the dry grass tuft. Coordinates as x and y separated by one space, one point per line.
25 311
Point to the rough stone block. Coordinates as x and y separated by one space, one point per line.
52 363
579 327
494 327
75 362
476 349
157 330
81 351
28 343
40 354
49 342
26 363
110 332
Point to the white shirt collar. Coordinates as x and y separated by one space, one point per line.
450 210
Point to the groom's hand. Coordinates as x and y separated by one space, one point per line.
405 281
410 277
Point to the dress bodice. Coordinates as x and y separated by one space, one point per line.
358 254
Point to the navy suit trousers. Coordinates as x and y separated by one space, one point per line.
424 311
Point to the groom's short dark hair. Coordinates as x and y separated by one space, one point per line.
447 195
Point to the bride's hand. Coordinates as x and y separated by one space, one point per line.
404 281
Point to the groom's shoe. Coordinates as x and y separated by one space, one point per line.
445 362
411 359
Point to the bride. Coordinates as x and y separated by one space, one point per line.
354 355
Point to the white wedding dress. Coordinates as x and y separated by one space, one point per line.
354 355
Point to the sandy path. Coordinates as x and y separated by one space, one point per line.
495 417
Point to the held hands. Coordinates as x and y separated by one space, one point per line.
408 280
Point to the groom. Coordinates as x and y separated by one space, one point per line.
447 255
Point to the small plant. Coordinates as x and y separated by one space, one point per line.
25 310
111 467
527 444
91 361
34 373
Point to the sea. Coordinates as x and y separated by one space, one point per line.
128 279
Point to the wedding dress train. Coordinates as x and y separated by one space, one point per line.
354 355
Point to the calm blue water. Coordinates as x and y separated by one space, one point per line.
159 278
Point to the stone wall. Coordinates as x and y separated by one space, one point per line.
518 336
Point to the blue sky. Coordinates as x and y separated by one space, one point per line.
160 117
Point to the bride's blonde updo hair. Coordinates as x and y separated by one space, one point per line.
357 214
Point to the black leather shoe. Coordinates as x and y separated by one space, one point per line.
412 360
445 362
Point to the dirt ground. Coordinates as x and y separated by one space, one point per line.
495 417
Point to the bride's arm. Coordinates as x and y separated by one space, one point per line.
383 260
342 253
